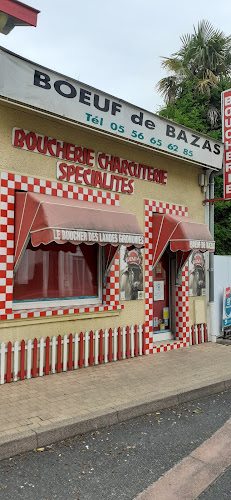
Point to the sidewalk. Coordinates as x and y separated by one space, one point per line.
38 412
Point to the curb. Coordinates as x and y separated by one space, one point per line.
14 444
195 473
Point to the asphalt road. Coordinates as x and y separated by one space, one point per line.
220 489
117 462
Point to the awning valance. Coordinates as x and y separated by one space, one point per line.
49 218
183 234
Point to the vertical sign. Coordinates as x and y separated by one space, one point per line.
226 321
226 137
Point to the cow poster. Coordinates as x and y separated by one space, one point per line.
131 273
197 274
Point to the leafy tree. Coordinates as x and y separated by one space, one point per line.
222 225
199 72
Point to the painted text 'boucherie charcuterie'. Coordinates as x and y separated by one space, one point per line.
117 166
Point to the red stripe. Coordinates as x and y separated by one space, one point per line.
22 360
101 346
91 359
34 369
136 341
110 346
199 334
70 365
119 343
81 350
128 341
205 333
8 370
143 343
193 336
47 356
59 354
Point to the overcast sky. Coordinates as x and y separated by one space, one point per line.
114 46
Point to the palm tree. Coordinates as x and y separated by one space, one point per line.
205 57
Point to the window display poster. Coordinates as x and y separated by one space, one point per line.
159 290
131 273
197 274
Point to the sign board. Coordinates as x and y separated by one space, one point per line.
79 236
226 137
31 84
226 321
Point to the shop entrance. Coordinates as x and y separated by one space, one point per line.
163 288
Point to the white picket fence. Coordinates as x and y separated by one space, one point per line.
56 354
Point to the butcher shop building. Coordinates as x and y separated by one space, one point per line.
104 239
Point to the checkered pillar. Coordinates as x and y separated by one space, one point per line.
182 308
10 182
164 208
111 292
6 245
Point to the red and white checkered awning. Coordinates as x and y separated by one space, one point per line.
49 218
183 234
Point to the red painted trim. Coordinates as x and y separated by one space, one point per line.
91 358
20 11
193 336
35 351
128 341
22 360
110 346
119 343
47 356
205 333
101 346
211 200
143 343
136 341
81 350
59 350
70 364
8 370
199 333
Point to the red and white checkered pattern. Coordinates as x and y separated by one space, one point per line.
111 293
182 308
182 315
169 347
11 182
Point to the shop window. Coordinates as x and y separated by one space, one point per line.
58 273
161 295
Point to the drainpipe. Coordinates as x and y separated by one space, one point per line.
212 333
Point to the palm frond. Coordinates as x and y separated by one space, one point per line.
171 63
213 115
205 84
205 55
186 39
211 77
168 88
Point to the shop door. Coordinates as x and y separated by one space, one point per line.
161 294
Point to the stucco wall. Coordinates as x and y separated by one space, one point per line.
182 189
